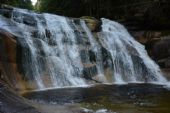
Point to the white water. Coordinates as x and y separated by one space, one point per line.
130 60
61 60
96 48
51 51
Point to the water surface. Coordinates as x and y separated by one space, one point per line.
129 98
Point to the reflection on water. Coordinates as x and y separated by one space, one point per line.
131 98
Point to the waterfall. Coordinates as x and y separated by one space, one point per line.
54 52
96 48
130 60
57 51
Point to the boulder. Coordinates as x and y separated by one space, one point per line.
161 49
164 63
166 72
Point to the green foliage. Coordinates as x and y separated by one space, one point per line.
61 7
18 3
78 8
145 12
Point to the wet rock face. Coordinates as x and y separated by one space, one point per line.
146 37
161 52
9 41
26 19
9 64
161 49
157 44
7 54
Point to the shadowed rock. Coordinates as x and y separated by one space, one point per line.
10 102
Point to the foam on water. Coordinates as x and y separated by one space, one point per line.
130 60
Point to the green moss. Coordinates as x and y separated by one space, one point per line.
26 4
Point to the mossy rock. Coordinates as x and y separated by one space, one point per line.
92 23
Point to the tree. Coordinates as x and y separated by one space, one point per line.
18 3
61 7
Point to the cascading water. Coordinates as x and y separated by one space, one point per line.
55 51
96 48
130 60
